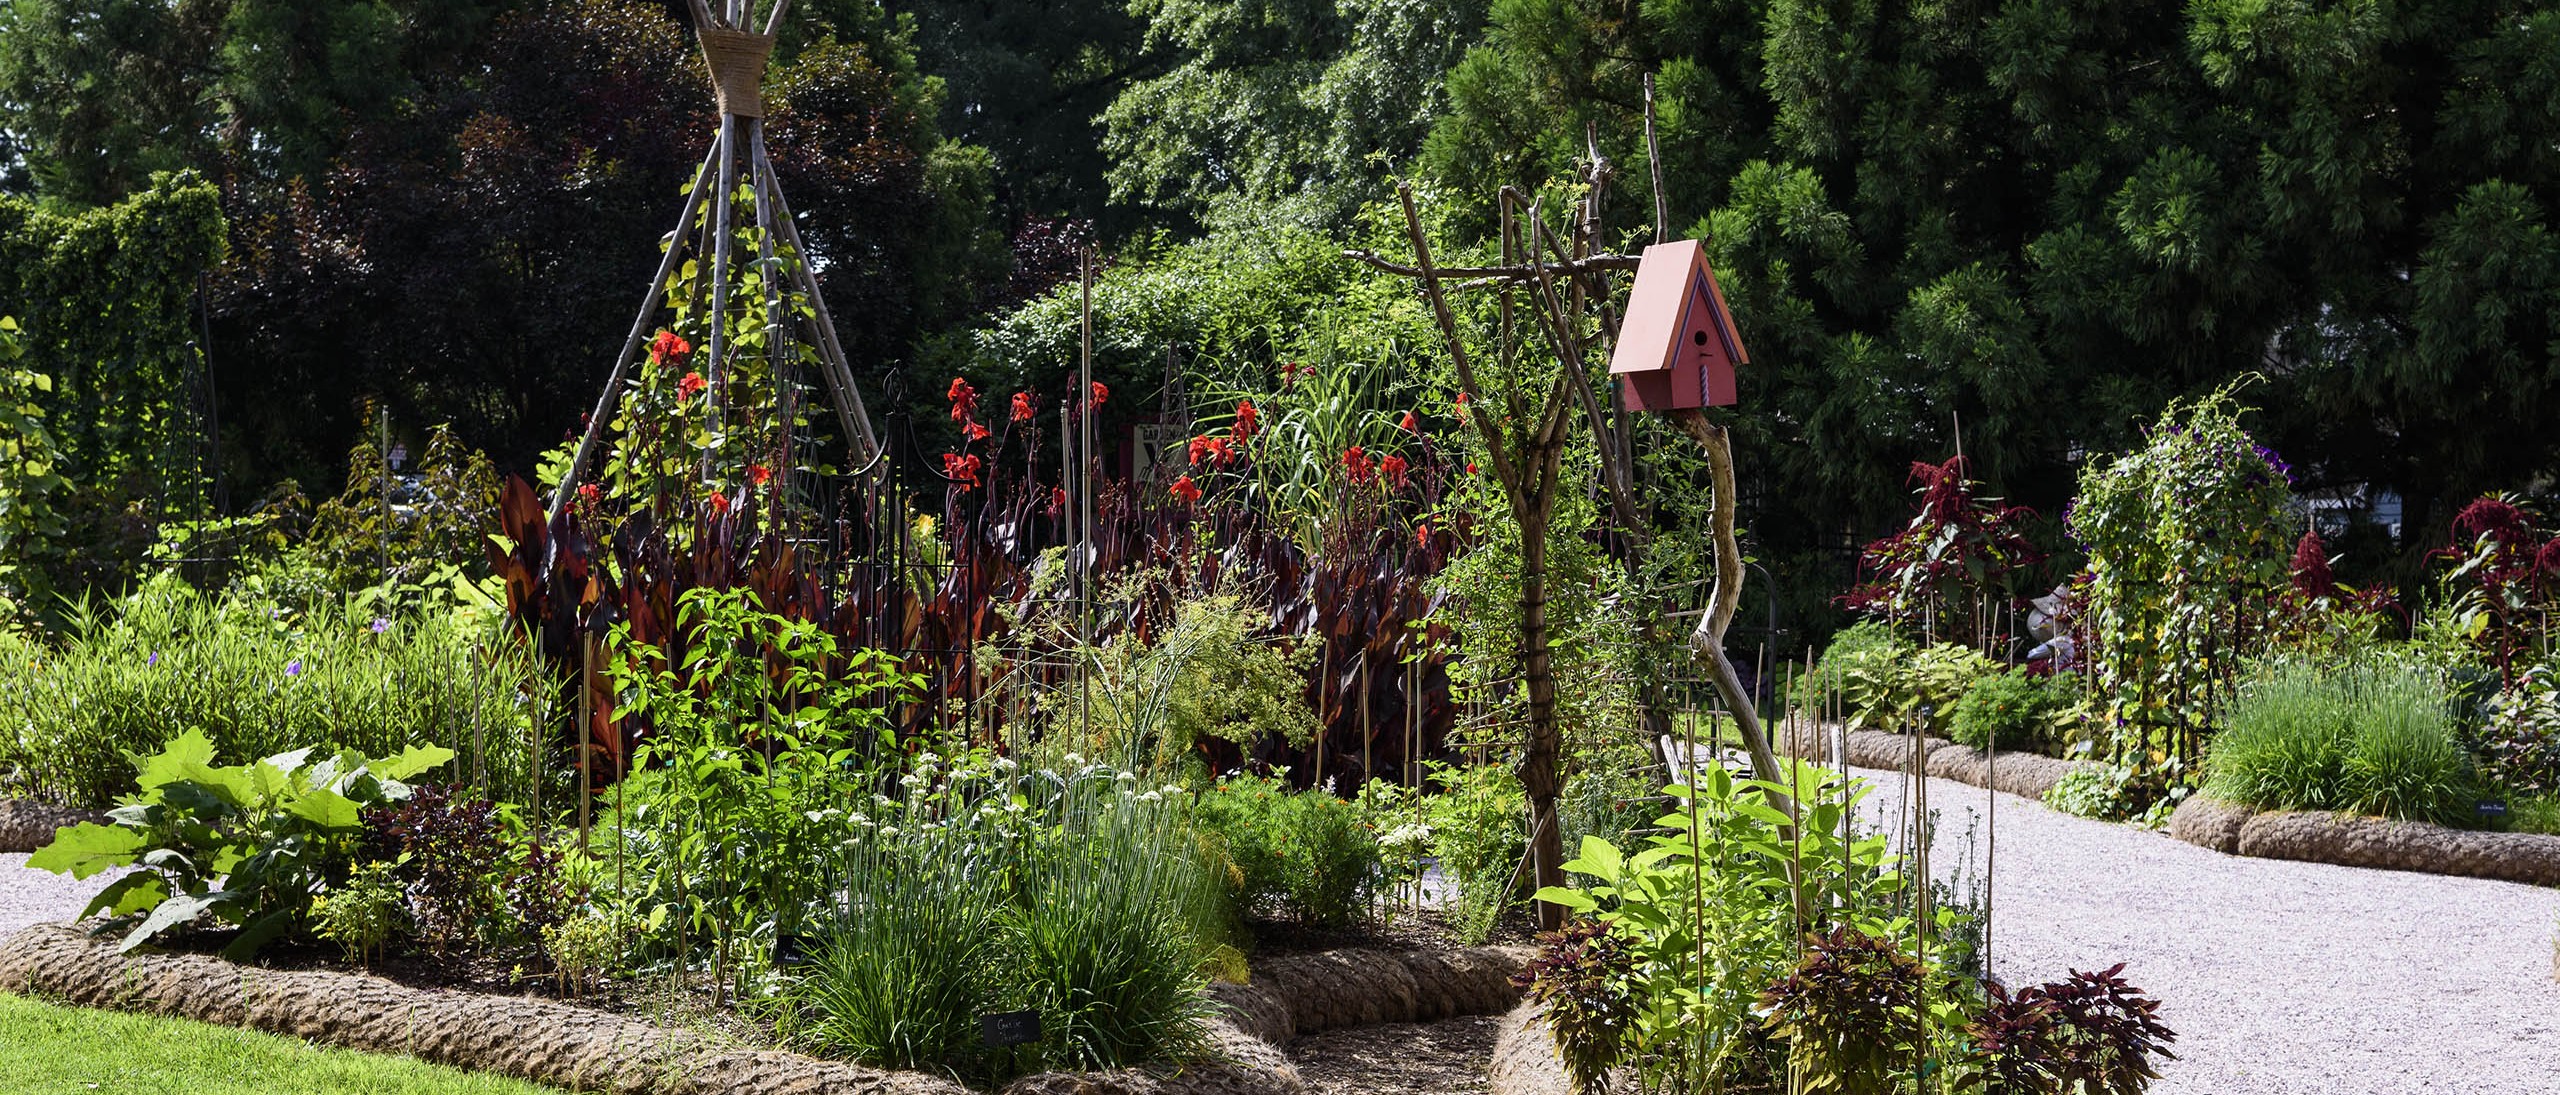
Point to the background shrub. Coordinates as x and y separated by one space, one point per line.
2014 710
1304 855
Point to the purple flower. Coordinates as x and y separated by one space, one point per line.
154 660
2276 462
293 668
381 624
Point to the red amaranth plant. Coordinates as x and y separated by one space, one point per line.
2505 580
1958 551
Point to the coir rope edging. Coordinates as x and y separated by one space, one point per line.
585 1049
26 825
2353 840
529 1039
2029 775
1305 994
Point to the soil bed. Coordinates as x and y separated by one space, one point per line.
1443 1058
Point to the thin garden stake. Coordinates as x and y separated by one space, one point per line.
586 735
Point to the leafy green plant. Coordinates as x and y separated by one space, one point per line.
1210 674
2013 709
759 732
2100 790
2518 741
247 845
1879 680
1478 838
1304 854
362 914
30 462
1709 907
2369 735
584 949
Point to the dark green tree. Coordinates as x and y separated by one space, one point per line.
1296 109
2046 218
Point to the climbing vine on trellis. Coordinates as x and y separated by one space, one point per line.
2186 542
107 299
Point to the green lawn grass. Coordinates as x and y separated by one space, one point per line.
51 1050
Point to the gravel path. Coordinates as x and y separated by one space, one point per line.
32 897
2279 977
1443 1058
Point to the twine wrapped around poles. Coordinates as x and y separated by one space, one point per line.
737 61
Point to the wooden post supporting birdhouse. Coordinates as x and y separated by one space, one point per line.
1677 346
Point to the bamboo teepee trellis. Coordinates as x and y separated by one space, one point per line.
735 55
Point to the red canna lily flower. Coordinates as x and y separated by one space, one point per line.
1394 467
689 387
974 431
1407 424
719 504
1355 464
1422 536
1022 410
961 470
1471 467
667 347
759 474
1100 393
1186 490
1245 416
590 494
964 399
1057 500
1222 450
1198 448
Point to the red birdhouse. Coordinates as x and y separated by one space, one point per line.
1677 347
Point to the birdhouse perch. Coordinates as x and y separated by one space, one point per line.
1677 347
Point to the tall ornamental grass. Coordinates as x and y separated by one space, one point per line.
2372 735
1076 895
129 676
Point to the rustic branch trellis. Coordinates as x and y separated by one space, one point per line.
736 56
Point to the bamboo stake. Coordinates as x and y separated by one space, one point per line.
631 344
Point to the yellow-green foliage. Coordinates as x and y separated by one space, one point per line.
1206 675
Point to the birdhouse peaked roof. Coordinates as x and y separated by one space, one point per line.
1675 299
